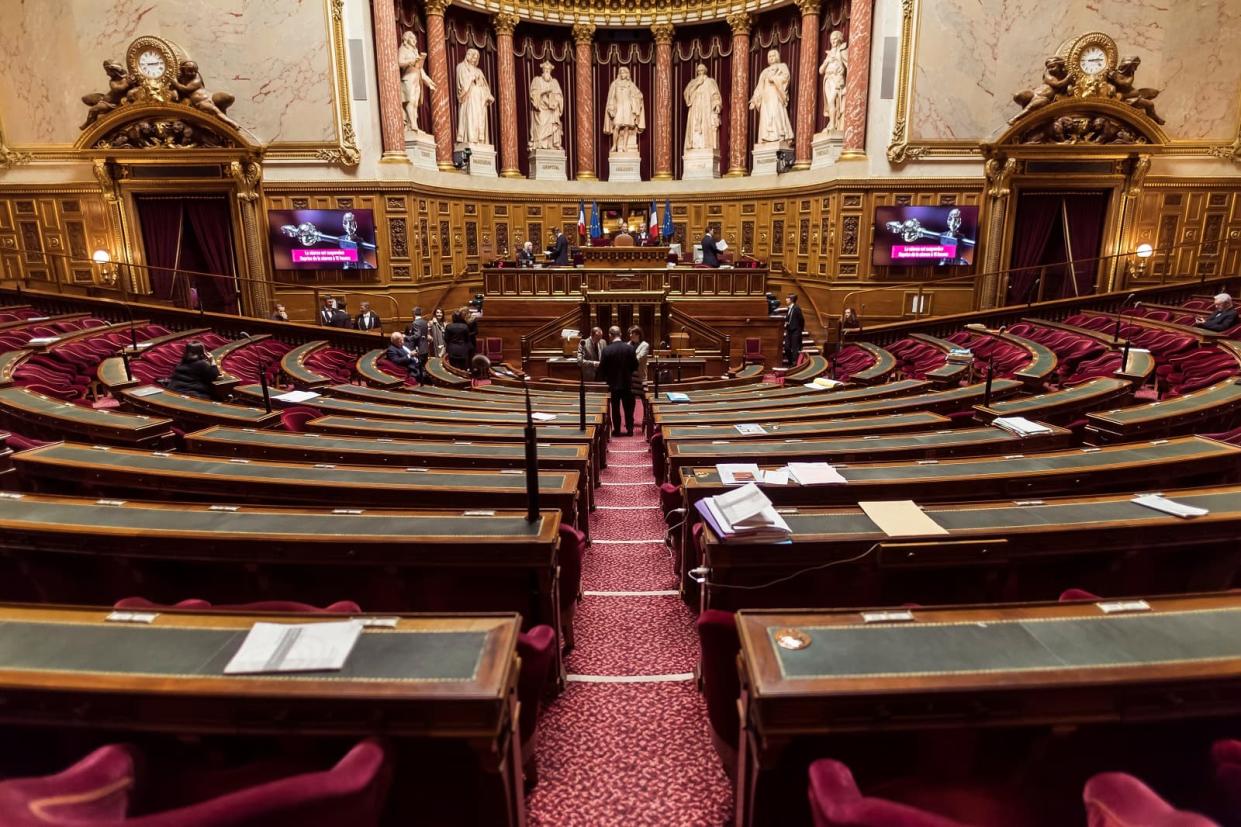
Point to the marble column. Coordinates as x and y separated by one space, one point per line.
506 79
807 84
663 108
739 98
388 78
583 37
857 82
441 98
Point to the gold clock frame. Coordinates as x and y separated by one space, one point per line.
1085 85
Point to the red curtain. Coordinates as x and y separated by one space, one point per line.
1085 213
532 44
161 221
711 45
1039 244
211 225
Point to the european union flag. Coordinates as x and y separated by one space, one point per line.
668 228
596 225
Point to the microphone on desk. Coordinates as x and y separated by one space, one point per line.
986 394
532 462
581 393
129 374
263 384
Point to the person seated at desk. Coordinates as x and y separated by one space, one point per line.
457 347
710 250
558 252
367 319
402 356
1224 317
195 373
525 255
590 351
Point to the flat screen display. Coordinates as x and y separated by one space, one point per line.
941 236
322 239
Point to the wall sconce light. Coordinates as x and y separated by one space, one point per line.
103 259
1142 253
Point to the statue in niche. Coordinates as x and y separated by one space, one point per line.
834 69
473 98
624 118
413 77
771 99
191 89
1121 79
702 123
100 103
547 102
1056 84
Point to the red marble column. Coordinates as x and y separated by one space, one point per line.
583 37
506 79
388 78
663 109
739 98
807 83
441 97
857 82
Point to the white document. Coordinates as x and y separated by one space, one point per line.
295 647
815 473
147 390
42 340
1161 503
296 396
542 417
780 477
750 429
1020 426
569 333
742 504
901 518
734 473
823 383
677 397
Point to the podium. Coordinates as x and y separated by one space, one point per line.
624 258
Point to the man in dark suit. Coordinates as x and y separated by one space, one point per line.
419 335
617 367
710 250
366 320
590 351
525 255
402 356
558 253
1224 317
330 316
794 327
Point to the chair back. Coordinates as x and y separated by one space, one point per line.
1114 799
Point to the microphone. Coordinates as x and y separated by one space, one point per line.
532 462
263 384
986 394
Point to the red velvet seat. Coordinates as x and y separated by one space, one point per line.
1114 799
1226 760
96 791
339 607
753 354
1075 594
572 549
835 801
537 649
295 418
720 644
493 349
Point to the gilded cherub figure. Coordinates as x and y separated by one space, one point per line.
1122 79
1056 83
189 85
100 103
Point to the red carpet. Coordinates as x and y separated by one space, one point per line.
635 752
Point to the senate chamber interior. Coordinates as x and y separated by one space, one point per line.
620 413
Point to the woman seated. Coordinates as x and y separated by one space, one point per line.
196 372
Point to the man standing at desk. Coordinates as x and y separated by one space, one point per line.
616 367
710 250
558 253
794 327
590 351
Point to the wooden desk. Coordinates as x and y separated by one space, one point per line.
619 258
775 398
889 423
193 411
949 373
1062 406
67 467
435 684
417 399
41 416
993 551
1005 667
293 365
1210 404
878 372
814 367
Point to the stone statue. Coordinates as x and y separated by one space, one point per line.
834 68
473 98
413 77
1121 79
624 118
771 99
547 102
191 89
100 103
702 124
1056 85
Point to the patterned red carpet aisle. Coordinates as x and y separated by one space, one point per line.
628 743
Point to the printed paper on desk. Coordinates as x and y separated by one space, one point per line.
296 396
901 518
1161 503
677 397
742 504
1020 426
542 417
815 473
750 429
295 647
738 473
780 477
823 383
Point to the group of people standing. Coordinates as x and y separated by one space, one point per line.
619 363
456 342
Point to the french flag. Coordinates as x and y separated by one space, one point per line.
581 218
652 227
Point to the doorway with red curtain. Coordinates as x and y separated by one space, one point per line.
1057 240
189 247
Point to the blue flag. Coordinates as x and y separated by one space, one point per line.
668 228
596 226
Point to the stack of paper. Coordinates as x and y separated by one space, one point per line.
960 354
823 383
744 515
538 416
815 473
677 397
1020 426
738 473
296 396
295 647
1167 506
750 429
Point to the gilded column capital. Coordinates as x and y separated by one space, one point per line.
663 32
809 6
740 22
505 22
437 7
583 32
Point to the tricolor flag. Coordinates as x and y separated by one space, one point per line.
652 228
596 224
668 228
581 218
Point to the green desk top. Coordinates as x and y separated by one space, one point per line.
469 401
462 426
814 366
437 371
1225 393
293 364
1018 645
25 401
394 448
10 361
1102 387
917 420
791 397
154 396
884 363
225 350
1042 360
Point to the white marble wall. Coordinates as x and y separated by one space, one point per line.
273 55
972 55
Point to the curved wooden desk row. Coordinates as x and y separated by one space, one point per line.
440 686
965 669
376 379
878 372
949 373
992 551
105 471
1064 405
1210 404
866 425
787 397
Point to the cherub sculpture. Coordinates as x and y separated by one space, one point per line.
100 103
1121 79
1056 85
189 85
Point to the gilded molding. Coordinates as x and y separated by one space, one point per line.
437 7
11 157
505 23
663 32
583 32
809 7
740 22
